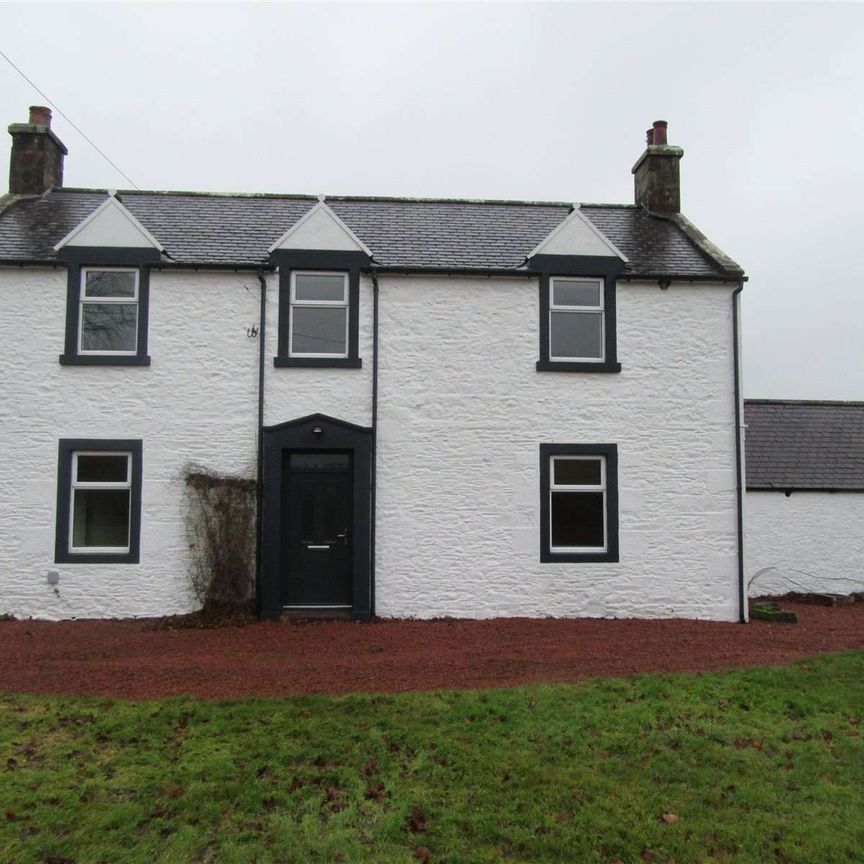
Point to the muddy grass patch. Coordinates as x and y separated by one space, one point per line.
752 765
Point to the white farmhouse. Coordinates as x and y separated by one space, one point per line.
452 408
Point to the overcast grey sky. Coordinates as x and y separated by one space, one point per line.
522 101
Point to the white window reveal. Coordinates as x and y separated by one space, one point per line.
109 311
319 315
577 504
101 502
576 319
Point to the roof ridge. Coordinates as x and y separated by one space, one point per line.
299 196
584 204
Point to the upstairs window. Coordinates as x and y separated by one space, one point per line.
576 320
319 308
107 306
319 315
108 316
579 502
98 501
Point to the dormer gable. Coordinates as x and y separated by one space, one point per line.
576 236
110 225
320 230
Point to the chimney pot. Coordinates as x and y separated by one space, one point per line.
40 116
649 136
659 136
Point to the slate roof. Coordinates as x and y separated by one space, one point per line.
793 445
237 230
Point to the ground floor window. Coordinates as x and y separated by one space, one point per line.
98 501
578 502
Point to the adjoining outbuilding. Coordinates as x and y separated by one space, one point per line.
804 504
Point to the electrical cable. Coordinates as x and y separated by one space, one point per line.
65 116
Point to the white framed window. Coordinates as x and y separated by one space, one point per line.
100 505
319 314
577 325
577 504
99 501
108 311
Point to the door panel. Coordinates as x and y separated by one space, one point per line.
317 508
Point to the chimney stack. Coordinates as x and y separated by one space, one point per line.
37 155
656 175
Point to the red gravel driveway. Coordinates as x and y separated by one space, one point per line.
128 659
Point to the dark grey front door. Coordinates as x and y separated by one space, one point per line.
317 506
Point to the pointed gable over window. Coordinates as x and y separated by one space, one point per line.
110 226
577 237
320 230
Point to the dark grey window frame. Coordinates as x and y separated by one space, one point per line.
598 267
610 451
288 260
67 446
78 257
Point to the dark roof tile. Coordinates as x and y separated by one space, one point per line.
411 233
792 445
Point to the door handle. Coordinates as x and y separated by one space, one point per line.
310 546
343 536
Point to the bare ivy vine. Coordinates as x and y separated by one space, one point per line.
220 527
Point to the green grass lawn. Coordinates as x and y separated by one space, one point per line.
750 766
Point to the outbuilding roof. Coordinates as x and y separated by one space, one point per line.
237 230
800 445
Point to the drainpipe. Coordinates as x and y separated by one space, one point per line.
259 479
739 462
374 438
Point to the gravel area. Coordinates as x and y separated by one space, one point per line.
130 659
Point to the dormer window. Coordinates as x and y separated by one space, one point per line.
108 256
108 319
578 267
319 259
319 315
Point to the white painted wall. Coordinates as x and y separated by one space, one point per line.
810 541
196 403
462 412
297 391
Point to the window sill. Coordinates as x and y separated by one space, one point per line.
567 366
576 558
318 362
94 558
104 360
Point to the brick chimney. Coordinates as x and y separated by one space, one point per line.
656 176
37 155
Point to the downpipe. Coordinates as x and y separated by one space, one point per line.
259 477
739 460
374 490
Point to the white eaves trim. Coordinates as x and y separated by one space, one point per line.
322 230
110 225
576 235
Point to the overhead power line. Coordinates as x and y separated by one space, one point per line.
66 117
